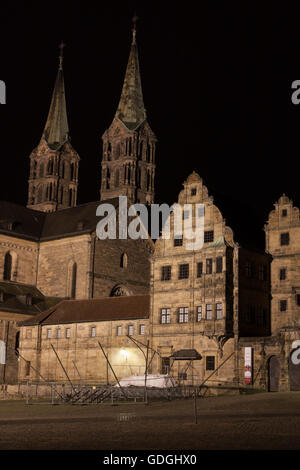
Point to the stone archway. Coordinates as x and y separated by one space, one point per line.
273 374
119 291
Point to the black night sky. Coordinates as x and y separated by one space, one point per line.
216 82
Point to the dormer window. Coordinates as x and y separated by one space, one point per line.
193 191
284 213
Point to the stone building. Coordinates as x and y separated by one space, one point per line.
18 302
73 331
272 355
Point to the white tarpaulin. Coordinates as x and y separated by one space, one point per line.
159 381
2 352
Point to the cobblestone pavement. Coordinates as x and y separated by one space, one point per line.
260 421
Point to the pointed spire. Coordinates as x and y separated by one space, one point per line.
131 110
56 131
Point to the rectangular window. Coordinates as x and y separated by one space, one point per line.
119 331
58 333
199 269
183 271
93 331
166 273
284 239
186 214
283 305
183 315
130 330
49 333
282 274
27 368
219 308
199 313
210 363
142 329
165 365
219 264
178 241
208 236
165 315
298 299
68 333
28 333
209 312
209 266
284 213
193 191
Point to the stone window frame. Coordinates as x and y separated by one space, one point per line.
130 330
165 316
209 310
199 268
142 329
93 331
284 213
58 333
219 311
68 333
298 299
208 236
210 363
183 315
199 313
219 264
193 191
48 333
119 330
178 241
183 271
285 239
208 266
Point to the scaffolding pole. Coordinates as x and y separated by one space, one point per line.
113 371
63 368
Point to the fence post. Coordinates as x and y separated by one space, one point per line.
27 393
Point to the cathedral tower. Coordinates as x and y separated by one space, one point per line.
54 163
128 164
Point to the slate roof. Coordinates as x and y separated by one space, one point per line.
132 307
34 225
14 299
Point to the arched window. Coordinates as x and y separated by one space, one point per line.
50 167
10 266
17 341
72 171
117 178
124 260
70 197
107 178
7 274
148 153
41 171
72 279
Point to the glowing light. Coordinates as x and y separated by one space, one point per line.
124 353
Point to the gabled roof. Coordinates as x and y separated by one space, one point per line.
132 307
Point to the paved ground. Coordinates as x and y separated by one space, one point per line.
260 421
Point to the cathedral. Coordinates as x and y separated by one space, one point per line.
199 310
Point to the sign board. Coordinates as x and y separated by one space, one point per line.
2 352
248 366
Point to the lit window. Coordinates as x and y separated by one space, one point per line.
58 333
93 331
142 329
49 333
219 308
165 315
209 313
28 333
68 333
119 331
199 313
183 315
130 330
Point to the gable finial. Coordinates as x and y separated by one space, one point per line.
61 54
134 21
